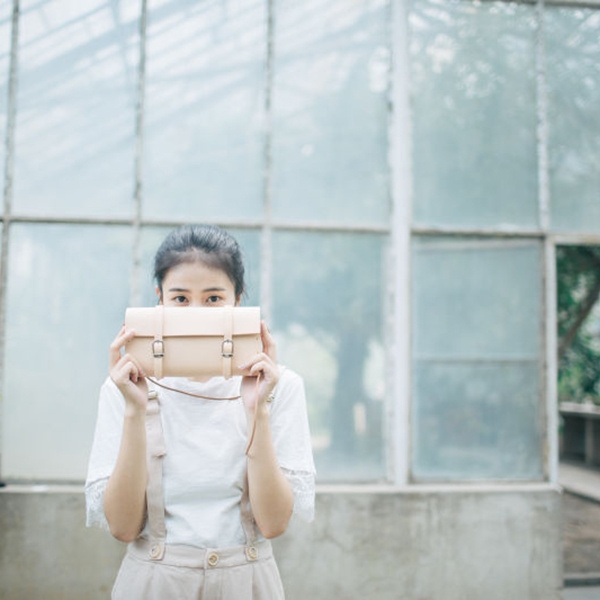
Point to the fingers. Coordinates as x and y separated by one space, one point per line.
262 365
130 380
126 370
264 362
262 359
114 353
269 346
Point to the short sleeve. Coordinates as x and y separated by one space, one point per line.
303 488
94 504
291 438
105 449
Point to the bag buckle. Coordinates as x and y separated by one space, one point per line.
227 348
158 349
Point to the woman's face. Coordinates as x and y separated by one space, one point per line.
196 284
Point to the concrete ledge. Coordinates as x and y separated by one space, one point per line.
438 488
41 488
46 550
415 543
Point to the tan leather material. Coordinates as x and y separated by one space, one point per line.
157 347
228 345
193 340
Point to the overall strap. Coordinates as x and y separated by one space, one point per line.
155 451
248 523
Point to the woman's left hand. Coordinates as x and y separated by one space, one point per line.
265 365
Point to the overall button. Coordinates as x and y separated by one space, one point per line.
251 553
155 551
212 559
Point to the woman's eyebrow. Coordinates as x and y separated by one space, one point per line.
175 289
214 289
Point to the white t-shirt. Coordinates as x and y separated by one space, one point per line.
205 462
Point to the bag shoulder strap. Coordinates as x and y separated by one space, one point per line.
168 387
172 389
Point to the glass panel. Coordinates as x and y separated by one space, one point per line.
330 102
474 420
248 240
573 68
328 321
205 109
5 33
67 292
75 108
474 114
477 352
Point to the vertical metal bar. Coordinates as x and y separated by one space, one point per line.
135 296
267 230
550 408
400 158
542 120
549 369
11 124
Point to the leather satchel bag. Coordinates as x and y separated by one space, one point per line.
193 341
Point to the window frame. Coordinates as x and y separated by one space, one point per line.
400 230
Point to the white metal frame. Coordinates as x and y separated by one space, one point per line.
400 230
400 156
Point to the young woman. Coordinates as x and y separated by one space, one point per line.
170 475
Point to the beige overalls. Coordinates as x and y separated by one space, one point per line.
154 570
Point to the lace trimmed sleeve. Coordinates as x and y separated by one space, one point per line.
303 488
105 449
94 504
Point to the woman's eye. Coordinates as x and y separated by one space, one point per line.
180 299
213 299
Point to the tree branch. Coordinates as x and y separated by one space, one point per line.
586 308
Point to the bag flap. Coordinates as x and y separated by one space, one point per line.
194 320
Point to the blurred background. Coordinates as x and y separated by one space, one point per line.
415 186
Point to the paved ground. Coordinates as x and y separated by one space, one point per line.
581 529
581 535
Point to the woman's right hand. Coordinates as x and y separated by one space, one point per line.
126 373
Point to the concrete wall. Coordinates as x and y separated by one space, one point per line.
418 543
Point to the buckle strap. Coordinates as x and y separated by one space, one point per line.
158 345
227 348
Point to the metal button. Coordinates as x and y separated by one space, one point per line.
155 551
212 559
251 553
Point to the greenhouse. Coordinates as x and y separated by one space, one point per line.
401 176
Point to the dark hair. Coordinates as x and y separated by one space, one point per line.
207 243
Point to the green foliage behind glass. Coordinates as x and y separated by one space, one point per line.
578 275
